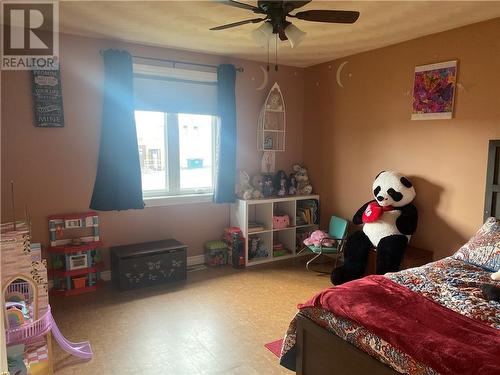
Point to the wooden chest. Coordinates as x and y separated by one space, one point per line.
146 264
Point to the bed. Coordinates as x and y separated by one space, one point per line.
321 341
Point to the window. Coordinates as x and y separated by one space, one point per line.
176 129
176 152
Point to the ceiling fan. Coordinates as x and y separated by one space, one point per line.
274 14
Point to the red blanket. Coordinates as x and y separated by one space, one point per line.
440 338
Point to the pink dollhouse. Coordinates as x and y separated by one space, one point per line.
28 320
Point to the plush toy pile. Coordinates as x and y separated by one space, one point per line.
279 184
388 223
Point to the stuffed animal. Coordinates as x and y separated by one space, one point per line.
316 237
244 190
281 183
292 188
492 292
495 276
304 186
268 186
389 221
257 248
254 247
258 186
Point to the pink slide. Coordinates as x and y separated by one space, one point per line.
78 349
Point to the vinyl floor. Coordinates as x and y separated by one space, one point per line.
216 322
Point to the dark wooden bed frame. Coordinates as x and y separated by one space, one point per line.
320 352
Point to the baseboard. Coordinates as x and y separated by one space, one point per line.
195 260
191 261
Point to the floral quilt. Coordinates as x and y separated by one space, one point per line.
450 282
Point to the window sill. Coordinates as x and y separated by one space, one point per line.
177 200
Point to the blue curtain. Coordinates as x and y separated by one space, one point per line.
226 156
118 183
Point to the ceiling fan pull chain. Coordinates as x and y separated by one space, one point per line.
268 40
276 54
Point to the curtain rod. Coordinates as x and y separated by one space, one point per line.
238 69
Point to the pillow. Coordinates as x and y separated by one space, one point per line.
483 249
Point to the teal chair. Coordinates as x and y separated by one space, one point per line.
336 231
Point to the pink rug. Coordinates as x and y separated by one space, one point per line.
275 347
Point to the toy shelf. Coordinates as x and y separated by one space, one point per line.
306 225
68 249
75 253
284 229
261 211
81 271
75 291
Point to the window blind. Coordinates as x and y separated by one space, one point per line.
175 90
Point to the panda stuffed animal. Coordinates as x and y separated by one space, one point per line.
389 221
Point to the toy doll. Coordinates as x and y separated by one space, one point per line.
292 188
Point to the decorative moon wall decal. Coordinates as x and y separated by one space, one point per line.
339 72
266 79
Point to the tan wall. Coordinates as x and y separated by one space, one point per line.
356 131
352 134
54 169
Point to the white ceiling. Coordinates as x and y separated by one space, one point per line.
184 25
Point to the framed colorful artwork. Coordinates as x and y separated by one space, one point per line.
434 91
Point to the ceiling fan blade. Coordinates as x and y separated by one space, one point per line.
237 4
234 24
332 16
291 5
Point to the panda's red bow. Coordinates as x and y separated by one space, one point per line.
373 211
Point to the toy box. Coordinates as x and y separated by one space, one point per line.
146 264
216 253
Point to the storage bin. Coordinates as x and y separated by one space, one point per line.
79 282
281 221
146 264
216 253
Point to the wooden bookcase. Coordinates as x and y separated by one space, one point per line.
262 211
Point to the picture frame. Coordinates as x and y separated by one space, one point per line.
434 87
47 98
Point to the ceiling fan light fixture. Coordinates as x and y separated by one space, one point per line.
294 35
262 34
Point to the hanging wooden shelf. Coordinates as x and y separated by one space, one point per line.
272 122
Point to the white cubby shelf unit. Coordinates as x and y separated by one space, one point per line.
261 211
